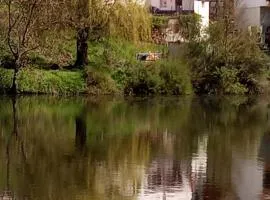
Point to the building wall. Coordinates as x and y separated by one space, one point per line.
219 9
265 16
251 3
155 3
248 17
202 9
170 5
188 5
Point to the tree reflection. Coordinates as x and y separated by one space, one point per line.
7 194
80 138
130 149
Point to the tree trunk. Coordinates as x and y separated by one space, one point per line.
14 88
82 33
82 47
80 140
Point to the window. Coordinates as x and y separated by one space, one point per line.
163 3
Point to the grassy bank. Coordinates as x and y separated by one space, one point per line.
44 82
113 69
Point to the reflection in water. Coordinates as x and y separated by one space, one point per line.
167 149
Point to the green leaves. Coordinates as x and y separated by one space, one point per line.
227 62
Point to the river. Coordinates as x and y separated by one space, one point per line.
170 148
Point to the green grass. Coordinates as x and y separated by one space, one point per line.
44 82
113 69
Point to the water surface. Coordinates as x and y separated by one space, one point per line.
135 149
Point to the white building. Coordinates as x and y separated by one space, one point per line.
173 5
254 14
202 8
249 15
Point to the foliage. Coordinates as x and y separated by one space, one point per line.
21 25
129 21
5 79
190 26
159 22
113 53
41 81
58 48
99 82
176 77
115 66
229 81
168 77
225 62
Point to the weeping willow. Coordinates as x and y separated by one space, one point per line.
126 19
130 21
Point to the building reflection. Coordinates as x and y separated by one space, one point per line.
265 161
168 178
145 152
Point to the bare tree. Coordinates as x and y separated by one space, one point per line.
22 28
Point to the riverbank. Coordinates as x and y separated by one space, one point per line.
200 66
39 81
138 80
113 69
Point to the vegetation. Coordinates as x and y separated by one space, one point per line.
44 82
170 78
190 26
159 21
116 70
225 61
121 134
21 24
90 47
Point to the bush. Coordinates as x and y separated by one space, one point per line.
159 22
176 77
143 80
229 81
164 77
5 79
190 26
225 62
100 82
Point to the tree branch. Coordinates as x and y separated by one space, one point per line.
31 12
10 27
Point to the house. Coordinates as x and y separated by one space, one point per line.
255 14
250 15
172 6
202 8
214 9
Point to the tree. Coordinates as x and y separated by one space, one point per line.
227 62
22 28
91 16
82 32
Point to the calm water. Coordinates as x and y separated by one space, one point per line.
135 149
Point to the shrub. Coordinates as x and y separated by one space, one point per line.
159 22
190 26
229 81
164 77
5 79
176 77
143 80
226 62
100 82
